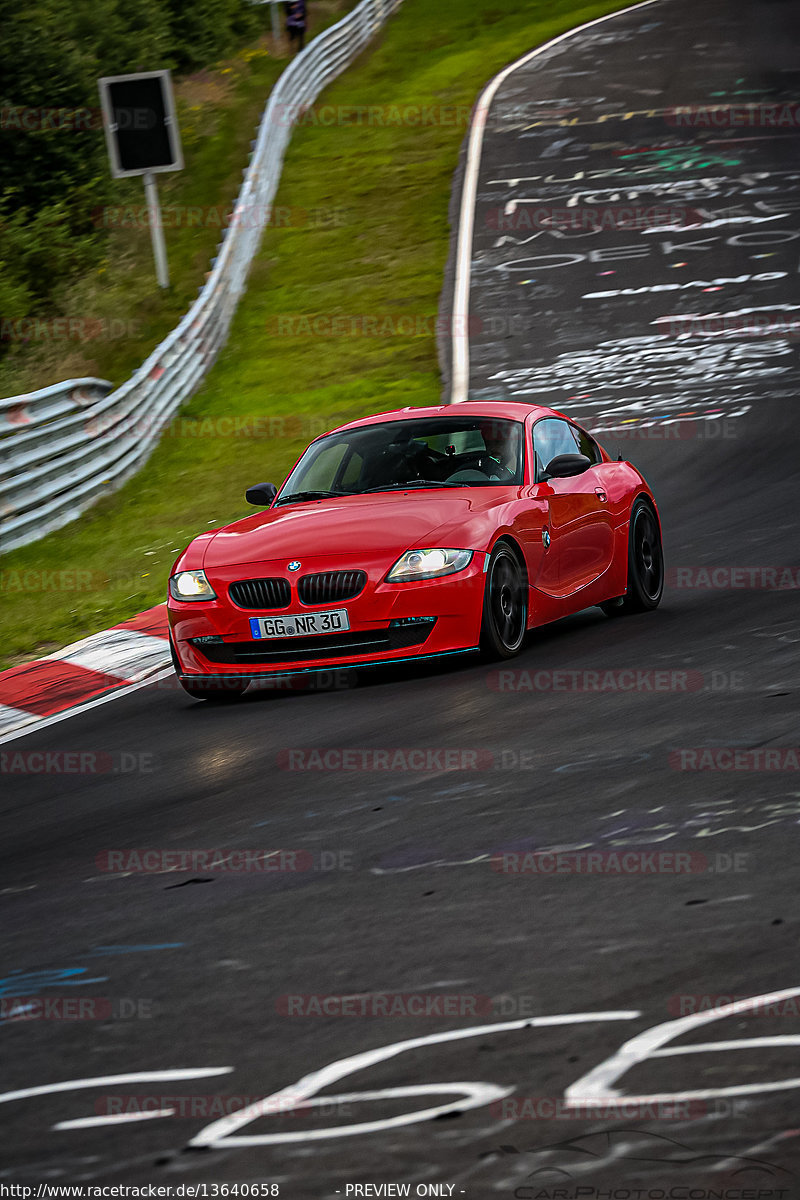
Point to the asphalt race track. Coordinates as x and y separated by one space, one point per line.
399 889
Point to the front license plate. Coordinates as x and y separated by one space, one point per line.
300 624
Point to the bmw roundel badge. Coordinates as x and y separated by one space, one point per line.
546 537
294 565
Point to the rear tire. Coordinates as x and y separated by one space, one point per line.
645 564
505 605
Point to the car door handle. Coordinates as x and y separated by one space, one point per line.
601 495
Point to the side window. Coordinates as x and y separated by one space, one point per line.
551 437
587 445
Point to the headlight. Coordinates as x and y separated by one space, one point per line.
191 585
428 564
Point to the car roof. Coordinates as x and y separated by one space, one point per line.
515 410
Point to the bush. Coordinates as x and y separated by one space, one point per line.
54 170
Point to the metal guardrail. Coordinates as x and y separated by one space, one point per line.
66 446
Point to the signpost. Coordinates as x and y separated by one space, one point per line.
142 137
276 20
274 14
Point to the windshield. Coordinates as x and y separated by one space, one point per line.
439 452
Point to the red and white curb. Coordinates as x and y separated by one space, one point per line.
86 672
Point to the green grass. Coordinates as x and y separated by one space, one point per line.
388 189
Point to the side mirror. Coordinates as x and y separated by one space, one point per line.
261 494
563 466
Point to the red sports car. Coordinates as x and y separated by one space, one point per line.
414 534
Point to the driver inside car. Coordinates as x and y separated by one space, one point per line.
502 450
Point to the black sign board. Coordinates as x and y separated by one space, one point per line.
140 125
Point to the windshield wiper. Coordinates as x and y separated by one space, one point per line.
414 483
300 496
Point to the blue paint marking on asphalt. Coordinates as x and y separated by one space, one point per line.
30 983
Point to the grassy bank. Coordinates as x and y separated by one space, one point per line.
373 243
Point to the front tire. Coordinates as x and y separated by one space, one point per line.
645 564
505 605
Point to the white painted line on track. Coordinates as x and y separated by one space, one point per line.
459 389
597 1085
222 1133
75 1085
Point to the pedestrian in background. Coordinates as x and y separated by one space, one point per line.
296 17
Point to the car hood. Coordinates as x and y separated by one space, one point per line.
369 525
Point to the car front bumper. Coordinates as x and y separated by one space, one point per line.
388 623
